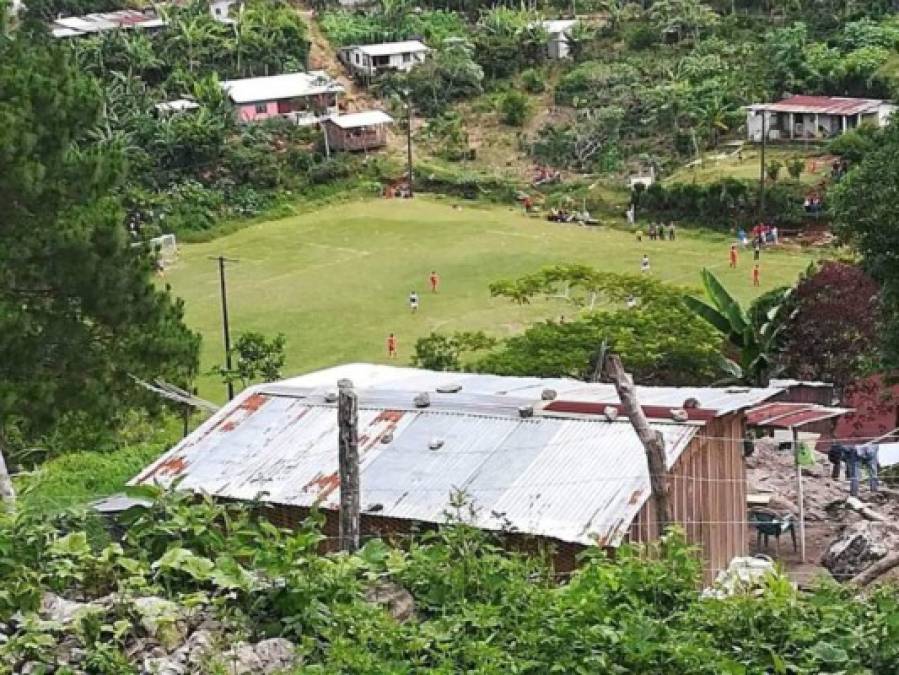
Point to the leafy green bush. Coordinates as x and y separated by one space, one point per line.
855 143
721 204
640 36
533 81
514 107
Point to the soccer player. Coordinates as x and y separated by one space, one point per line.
644 264
413 301
391 346
733 256
434 279
755 275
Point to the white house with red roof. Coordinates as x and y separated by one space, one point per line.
814 117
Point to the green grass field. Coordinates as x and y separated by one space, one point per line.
724 163
335 280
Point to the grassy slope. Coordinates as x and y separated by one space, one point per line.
724 163
335 281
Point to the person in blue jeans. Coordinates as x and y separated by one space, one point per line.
866 456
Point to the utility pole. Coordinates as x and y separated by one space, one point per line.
409 140
348 448
225 327
762 167
653 442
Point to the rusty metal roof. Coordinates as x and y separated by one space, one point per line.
823 105
718 400
789 415
578 480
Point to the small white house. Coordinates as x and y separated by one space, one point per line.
178 105
559 31
811 117
372 60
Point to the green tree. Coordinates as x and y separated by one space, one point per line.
514 107
753 343
79 312
444 352
863 207
641 319
255 358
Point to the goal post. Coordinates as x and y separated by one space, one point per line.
165 247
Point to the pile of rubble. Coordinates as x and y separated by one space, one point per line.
855 539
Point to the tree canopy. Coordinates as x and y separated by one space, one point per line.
79 312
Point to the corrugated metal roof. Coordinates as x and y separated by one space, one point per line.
576 480
365 118
276 87
722 400
824 105
556 26
789 415
98 22
391 48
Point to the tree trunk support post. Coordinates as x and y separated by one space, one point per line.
652 440
348 447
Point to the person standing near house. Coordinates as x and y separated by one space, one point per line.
733 256
755 275
391 346
672 233
434 280
413 302
644 264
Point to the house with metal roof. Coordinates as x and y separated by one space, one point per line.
814 117
304 98
545 461
102 22
365 130
558 32
367 61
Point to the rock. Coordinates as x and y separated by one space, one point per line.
163 666
275 654
162 619
242 659
859 546
62 611
198 648
398 601
32 668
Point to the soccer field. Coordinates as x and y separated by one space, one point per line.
335 281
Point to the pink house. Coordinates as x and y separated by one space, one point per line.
306 98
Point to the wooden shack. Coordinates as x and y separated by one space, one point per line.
358 131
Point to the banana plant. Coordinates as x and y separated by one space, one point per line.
755 342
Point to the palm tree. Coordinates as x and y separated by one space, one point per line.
755 342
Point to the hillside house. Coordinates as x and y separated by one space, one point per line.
559 31
102 22
368 61
305 98
814 117
538 459
221 10
357 131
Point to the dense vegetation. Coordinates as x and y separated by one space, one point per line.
477 608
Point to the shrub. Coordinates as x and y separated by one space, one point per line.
795 168
533 81
514 106
773 169
640 36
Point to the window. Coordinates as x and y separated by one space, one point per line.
357 58
261 108
407 57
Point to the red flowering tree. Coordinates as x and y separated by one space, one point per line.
832 335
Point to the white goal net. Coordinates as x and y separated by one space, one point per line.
165 247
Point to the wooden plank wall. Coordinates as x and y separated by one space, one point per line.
707 488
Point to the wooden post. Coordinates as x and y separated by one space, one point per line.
348 446
653 442
800 494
